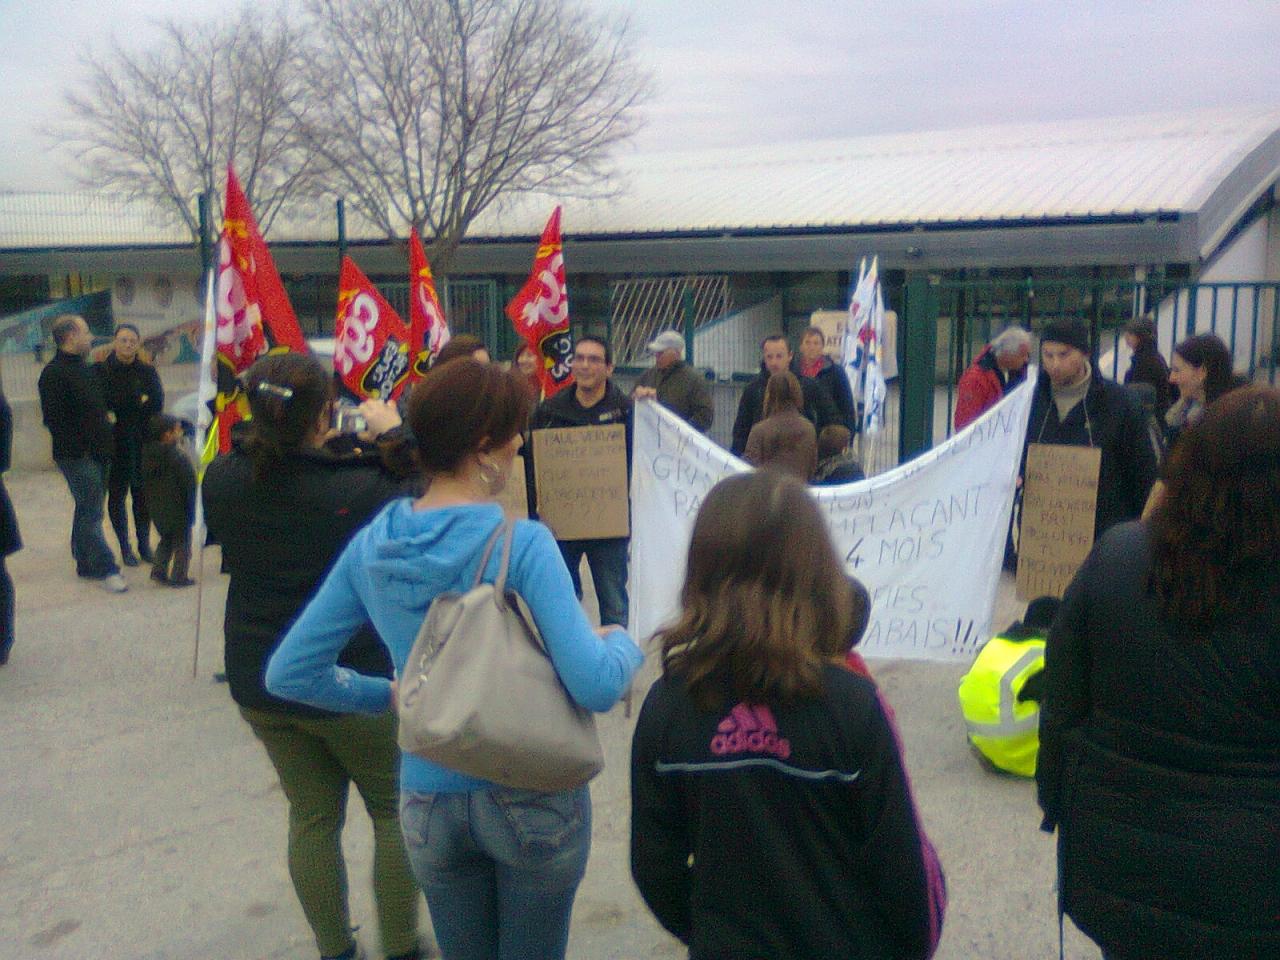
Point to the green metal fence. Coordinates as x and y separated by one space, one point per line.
945 324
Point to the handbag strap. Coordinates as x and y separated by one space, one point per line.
488 552
500 584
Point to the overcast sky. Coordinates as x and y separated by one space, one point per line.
750 71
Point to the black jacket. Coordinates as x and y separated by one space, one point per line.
803 838
818 407
74 409
1111 419
836 382
10 538
169 482
1160 764
279 538
133 392
1148 366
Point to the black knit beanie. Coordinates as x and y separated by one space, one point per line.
1071 332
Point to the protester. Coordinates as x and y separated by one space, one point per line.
462 345
1202 373
836 461
676 385
783 439
817 408
134 395
817 366
10 537
526 362
1160 732
771 815
1146 365
593 400
75 412
499 866
170 486
1074 406
1001 366
283 507
1001 693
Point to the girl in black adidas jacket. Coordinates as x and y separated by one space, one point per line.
771 814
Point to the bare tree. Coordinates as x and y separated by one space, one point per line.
162 123
435 109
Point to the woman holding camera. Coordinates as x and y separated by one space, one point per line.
283 506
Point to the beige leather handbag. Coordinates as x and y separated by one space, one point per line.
480 695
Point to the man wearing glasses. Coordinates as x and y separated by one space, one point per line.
594 400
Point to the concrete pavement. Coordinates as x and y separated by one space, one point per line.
140 819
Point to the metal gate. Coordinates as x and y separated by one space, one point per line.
640 308
945 324
470 306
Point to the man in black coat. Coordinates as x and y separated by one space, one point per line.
75 412
814 363
1074 406
776 357
593 400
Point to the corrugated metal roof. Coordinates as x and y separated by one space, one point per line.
1088 168
1125 166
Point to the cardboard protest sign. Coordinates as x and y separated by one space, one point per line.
1059 499
515 495
581 478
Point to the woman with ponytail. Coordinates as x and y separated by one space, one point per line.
283 506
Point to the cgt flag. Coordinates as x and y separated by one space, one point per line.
540 312
372 345
254 315
428 330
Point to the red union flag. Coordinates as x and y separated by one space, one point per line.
252 309
371 343
540 312
428 330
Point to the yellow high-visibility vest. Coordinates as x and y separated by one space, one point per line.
1003 729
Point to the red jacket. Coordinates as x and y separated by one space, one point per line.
980 388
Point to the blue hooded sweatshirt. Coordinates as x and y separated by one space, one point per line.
389 574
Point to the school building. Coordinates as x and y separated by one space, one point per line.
1102 219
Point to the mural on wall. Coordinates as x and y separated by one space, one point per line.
168 311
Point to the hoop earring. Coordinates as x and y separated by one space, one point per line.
491 477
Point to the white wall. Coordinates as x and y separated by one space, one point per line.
732 345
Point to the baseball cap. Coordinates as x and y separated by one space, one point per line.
667 340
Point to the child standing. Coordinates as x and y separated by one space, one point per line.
170 484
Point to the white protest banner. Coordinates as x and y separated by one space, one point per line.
927 538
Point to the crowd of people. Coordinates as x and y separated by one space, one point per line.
1145 705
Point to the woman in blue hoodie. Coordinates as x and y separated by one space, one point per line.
499 866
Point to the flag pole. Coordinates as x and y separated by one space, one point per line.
205 394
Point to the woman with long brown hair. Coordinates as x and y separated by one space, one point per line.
771 814
784 439
499 866
1160 729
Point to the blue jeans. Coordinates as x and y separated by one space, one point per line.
86 479
608 562
499 867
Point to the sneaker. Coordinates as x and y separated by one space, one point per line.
114 583
128 557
